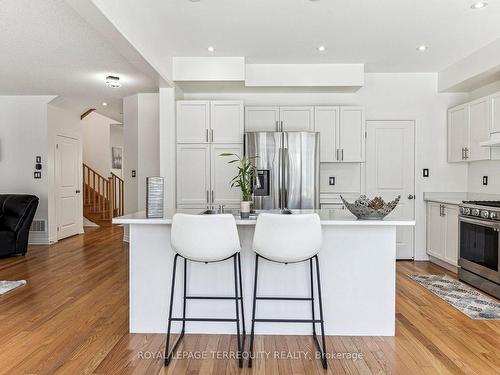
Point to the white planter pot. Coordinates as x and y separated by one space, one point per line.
245 209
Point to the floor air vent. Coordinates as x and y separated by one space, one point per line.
38 226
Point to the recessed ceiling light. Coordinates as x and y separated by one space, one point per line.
104 104
211 49
321 48
422 48
113 82
479 5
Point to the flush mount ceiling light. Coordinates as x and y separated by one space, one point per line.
479 5
211 49
113 82
104 104
321 48
422 48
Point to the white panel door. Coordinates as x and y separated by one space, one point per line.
436 230
390 171
297 118
69 205
458 132
351 134
495 112
479 129
261 118
326 121
226 121
193 121
222 173
451 249
193 174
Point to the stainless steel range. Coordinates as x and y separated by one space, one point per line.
479 232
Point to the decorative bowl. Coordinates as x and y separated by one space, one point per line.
374 209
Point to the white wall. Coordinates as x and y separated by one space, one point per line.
386 96
96 142
141 137
61 122
23 136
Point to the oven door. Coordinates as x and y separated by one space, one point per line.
479 247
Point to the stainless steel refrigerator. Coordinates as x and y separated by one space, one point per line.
287 166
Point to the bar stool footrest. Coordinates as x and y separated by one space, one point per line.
289 320
203 320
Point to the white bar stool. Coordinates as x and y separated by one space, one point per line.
206 238
289 239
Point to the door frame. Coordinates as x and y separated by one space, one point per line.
57 179
414 171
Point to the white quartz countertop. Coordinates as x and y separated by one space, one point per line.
327 217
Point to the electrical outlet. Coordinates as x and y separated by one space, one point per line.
37 175
425 172
331 181
133 173
485 180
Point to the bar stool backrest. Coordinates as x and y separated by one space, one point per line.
205 238
287 238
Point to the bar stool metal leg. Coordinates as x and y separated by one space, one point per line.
312 295
322 349
168 355
253 310
241 297
240 357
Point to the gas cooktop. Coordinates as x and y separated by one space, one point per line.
481 209
484 203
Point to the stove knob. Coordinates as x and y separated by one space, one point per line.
461 210
485 214
475 212
493 215
467 211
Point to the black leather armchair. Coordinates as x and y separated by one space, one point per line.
16 215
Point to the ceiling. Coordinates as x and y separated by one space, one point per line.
47 48
383 34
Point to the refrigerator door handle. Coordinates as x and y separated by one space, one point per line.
277 126
281 125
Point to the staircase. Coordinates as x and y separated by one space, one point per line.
102 196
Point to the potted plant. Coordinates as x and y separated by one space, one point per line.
243 180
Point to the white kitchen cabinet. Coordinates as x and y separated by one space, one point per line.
458 133
226 121
479 129
222 173
262 118
342 133
495 112
297 118
193 121
326 122
351 134
201 121
442 232
193 174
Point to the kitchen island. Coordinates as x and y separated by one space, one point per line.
358 275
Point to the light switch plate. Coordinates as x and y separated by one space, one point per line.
425 172
331 181
485 180
37 175
133 173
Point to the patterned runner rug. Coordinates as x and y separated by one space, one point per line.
475 305
7 286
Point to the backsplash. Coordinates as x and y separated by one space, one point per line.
477 170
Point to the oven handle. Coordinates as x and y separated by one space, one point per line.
479 222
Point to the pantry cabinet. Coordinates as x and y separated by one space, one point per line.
205 130
442 232
342 133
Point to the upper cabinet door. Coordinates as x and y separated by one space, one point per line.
458 132
193 121
226 122
222 173
297 118
193 174
495 112
261 119
326 121
479 129
351 134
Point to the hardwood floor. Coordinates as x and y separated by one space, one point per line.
72 318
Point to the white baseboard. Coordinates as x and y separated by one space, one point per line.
38 238
441 263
